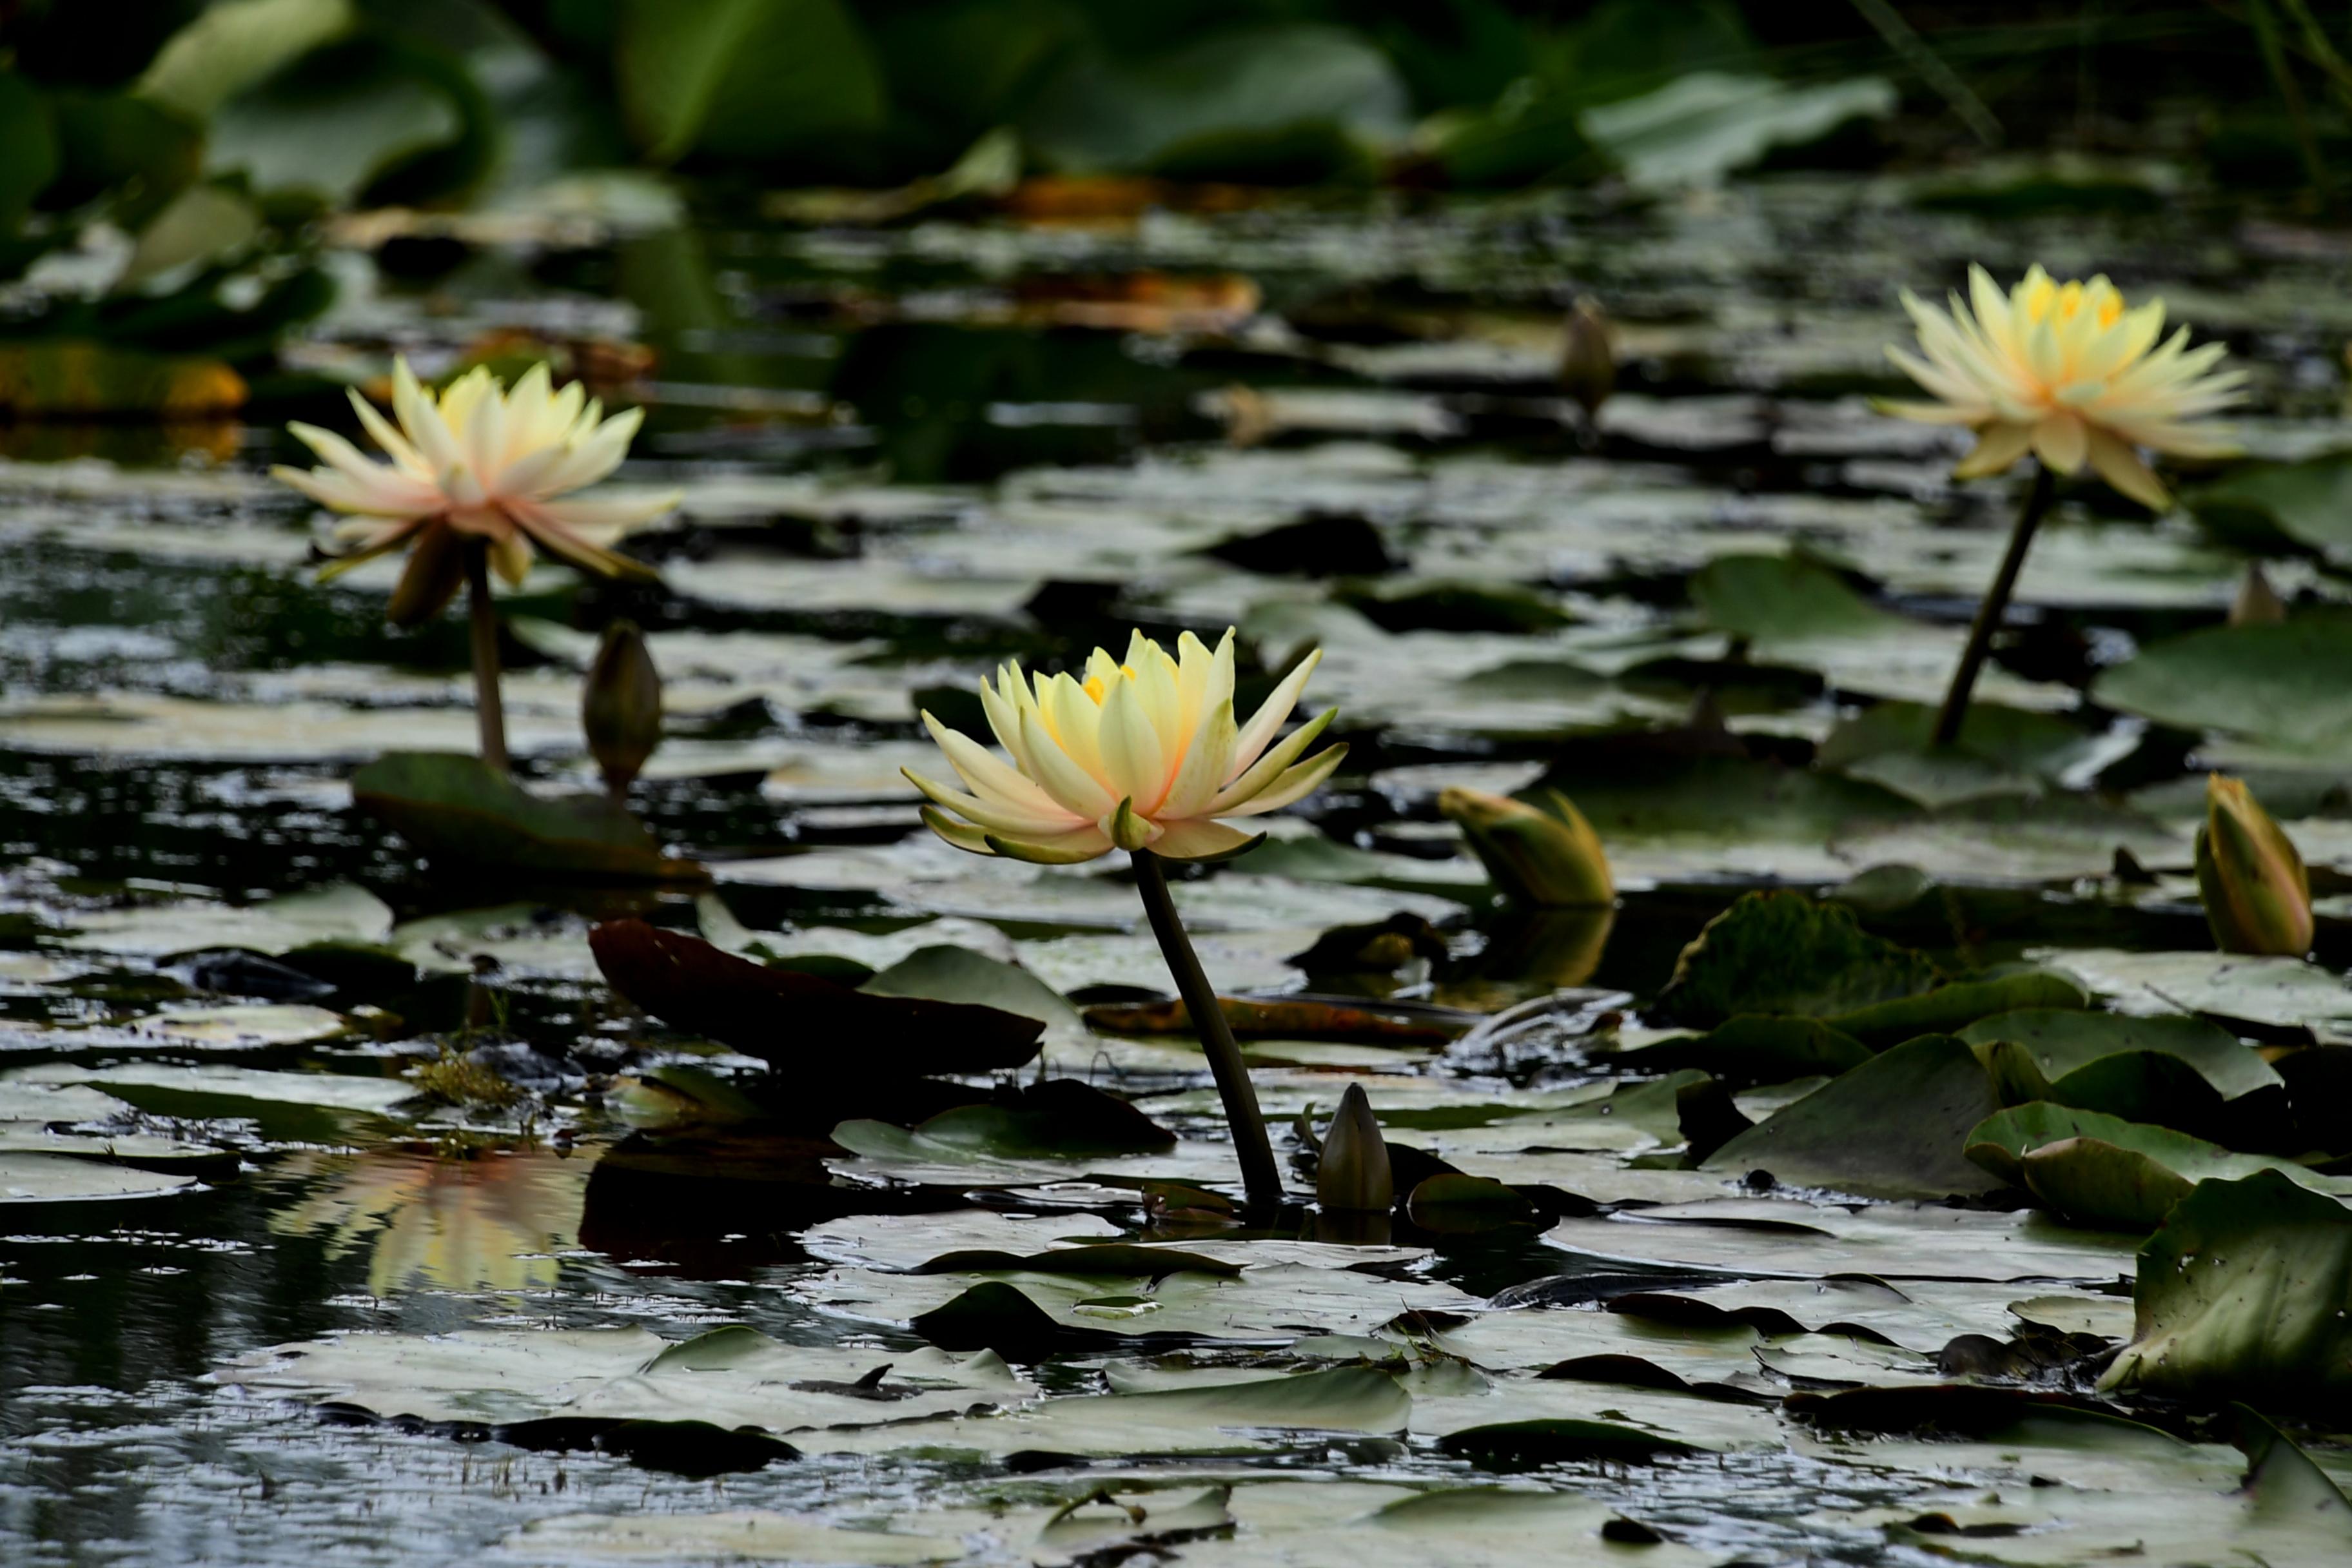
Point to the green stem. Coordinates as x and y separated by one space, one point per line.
1260 1178
484 616
1996 604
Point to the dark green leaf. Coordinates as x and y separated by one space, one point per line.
1784 953
2246 1293
1894 1127
460 811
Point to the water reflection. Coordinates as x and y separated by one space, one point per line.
441 1218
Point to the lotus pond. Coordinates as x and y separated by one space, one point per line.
1954 1200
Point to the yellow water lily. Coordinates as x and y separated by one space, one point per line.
1143 752
480 463
2070 373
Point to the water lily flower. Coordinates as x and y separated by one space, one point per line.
1138 753
1142 754
478 476
480 464
2070 373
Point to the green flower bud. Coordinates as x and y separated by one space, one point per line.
2257 894
1587 358
622 707
1541 856
1354 1171
2257 604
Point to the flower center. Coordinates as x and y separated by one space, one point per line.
1096 688
2065 301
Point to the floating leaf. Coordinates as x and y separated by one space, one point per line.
1894 1127
2064 1042
26 1178
2271 684
945 973
1947 1009
464 815
2245 1293
1751 1049
2001 1140
1782 953
799 1021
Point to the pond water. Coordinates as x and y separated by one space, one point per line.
906 454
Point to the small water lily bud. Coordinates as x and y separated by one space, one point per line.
1354 1173
622 707
1544 856
1587 358
2257 604
2257 894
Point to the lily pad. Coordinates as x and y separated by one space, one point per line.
1751 1049
26 1178
2063 1042
465 814
1893 1127
1784 953
2245 1293
1963 1004
1059 1119
2000 1142
2274 684
945 973
827 1034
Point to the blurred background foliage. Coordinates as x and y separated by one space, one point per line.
168 162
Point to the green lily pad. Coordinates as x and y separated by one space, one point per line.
2063 1042
945 973
1452 1203
464 815
2092 1181
1894 1127
1784 953
1059 1119
1949 1009
2246 1293
1752 1049
2000 1142
2309 503
1783 599
2275 684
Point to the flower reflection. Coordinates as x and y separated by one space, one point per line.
480 1220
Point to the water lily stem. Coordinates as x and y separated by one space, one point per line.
1995 605
1260 1178
484 615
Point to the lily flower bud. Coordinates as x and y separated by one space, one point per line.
2257 604
2257 894
622 708
1545 856
1587 358
1354 1173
